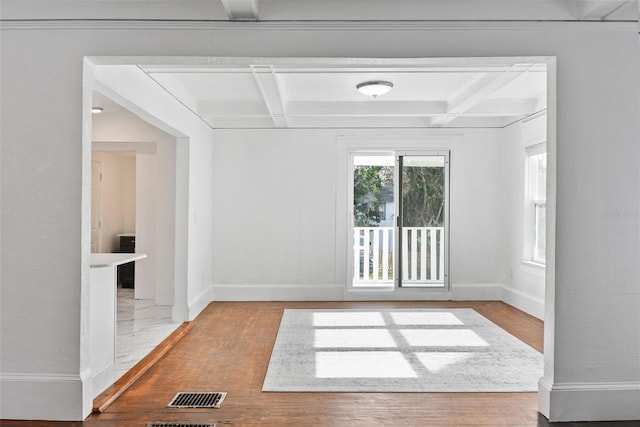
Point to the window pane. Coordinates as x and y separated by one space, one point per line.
423 216
373 220
373 204
423 183
540 246
539 176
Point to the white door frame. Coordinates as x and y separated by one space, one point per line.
427 152
398 291
96 210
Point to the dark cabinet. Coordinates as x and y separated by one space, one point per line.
127 272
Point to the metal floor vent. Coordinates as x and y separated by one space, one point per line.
197 400
179 425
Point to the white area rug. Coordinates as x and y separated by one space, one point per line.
398 350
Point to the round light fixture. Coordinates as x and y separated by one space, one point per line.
96 110
374 88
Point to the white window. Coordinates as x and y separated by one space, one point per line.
535 204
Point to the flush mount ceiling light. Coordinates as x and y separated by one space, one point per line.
96 110
374 88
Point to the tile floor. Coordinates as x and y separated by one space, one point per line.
140 326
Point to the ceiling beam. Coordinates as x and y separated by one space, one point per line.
504 108
363 109
486 108
241 10
476 91
174 87
598 9
232 108
266 80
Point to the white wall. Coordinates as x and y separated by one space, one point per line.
118 196
281 229
274 222
524 286
165 217
592 295
146 279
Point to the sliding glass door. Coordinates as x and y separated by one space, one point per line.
421 220
400 220
373 220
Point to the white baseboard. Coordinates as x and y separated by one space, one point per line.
498 292
589 401
476 292
199 303
404 294
180 313
328 292
522 301
104 379
332 292
46 397
241 292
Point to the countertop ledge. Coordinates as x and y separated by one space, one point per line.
99 260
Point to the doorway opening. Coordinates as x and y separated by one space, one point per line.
133 211
454 118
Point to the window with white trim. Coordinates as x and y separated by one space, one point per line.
535 204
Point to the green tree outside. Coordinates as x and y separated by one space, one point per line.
422 195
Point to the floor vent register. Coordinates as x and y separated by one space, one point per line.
197 400
179 425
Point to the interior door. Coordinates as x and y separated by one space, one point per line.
422 220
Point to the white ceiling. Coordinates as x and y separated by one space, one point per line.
321 10
298 96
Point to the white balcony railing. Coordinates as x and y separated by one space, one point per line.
374 256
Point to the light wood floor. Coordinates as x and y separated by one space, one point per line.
228 349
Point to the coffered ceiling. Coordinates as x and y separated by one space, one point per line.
264 95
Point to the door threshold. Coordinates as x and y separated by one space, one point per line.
107 397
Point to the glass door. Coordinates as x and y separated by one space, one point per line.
399 215
422 220
373 220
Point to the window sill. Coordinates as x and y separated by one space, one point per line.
533 264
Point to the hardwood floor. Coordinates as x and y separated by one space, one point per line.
228 350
